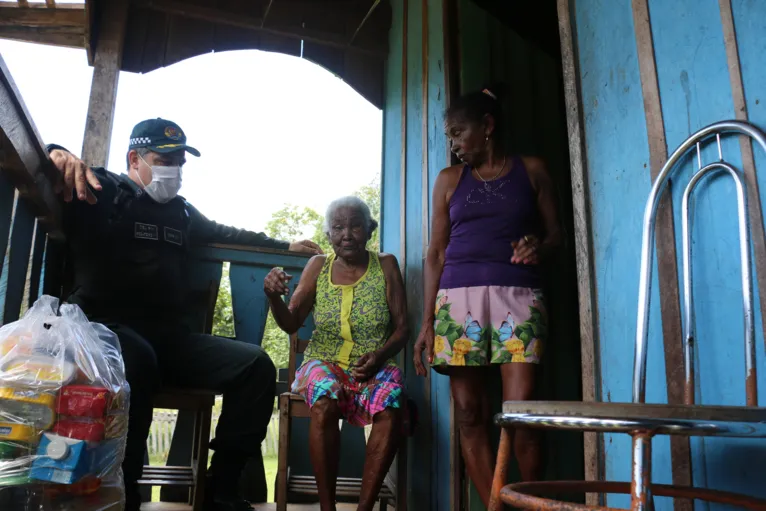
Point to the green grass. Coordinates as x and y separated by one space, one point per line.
269 464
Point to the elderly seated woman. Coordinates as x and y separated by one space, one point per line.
348 369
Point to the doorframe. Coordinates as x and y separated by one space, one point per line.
593 443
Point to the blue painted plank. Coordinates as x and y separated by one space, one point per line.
18 261
437 160
695 88
265 258
390 235
420 487
617 152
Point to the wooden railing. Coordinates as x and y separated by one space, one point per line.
29 209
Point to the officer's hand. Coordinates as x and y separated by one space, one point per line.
306 247
275 283
74 175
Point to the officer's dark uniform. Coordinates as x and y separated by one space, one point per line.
128 254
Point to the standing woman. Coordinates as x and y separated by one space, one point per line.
494 220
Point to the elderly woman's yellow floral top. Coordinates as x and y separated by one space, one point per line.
350 320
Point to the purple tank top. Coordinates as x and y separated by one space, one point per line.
484 219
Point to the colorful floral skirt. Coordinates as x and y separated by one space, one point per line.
358 401
478 326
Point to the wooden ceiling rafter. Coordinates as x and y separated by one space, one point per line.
62 25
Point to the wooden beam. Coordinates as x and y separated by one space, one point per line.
746 147
23 159
38 24
41 7
103 92
52 36
213 15
589 346
41 17
667 267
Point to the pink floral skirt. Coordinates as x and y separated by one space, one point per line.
478 326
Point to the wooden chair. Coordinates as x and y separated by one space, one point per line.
201 403
291 406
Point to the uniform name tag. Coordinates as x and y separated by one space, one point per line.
173 236
146 231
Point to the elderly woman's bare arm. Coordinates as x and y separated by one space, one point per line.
290 318
369 363
397 306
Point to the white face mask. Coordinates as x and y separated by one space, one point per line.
166 181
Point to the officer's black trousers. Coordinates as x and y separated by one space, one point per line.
157 355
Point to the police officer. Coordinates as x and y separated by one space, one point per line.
128 237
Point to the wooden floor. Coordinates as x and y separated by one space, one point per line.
167 506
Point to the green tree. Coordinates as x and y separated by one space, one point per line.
370 194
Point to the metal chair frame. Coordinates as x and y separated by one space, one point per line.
640 420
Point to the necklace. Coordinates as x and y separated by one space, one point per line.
486 183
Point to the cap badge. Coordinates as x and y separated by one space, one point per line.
172 133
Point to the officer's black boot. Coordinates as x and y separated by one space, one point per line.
222 492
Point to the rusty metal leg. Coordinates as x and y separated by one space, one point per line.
501 470
641 478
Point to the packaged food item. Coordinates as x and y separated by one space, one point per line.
33 405
15 460
88 430
83 401
63 412
38 371
61 460
17 432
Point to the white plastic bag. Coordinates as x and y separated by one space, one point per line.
63 412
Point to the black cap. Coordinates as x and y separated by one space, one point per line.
160 136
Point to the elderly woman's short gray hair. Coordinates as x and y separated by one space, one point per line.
370 224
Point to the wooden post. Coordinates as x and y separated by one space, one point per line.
103 90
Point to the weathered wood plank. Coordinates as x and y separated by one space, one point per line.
36 265
68 37
23 158
103 92
666 246
592 442
74 16
748 159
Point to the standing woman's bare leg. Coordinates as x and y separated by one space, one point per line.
519 385
381 449
469 392
324 449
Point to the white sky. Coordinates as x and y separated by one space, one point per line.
272 129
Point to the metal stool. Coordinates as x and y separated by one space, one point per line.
640 420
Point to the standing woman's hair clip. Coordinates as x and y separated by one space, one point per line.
490 94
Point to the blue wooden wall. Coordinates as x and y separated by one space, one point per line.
695 90
414 135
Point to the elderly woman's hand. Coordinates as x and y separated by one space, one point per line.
366 366
275 283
